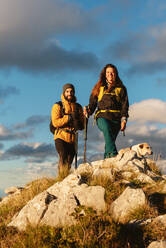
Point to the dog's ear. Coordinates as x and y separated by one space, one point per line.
141 146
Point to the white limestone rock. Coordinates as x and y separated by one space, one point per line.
128 201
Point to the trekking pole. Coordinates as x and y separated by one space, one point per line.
76 148
85 137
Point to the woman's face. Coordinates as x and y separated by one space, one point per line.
110 75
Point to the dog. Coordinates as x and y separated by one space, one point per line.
141 150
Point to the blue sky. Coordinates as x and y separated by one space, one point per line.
47 43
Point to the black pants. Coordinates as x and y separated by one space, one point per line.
66 152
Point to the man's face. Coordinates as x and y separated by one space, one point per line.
69 93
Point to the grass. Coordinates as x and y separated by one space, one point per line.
31 190
151 163
142 213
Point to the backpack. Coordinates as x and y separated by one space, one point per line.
52 128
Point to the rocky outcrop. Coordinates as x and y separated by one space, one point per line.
56 205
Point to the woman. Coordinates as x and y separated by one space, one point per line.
109 96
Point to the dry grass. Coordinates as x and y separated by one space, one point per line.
17 202
64 171
153 167
142 213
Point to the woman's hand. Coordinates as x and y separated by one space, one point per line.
123 125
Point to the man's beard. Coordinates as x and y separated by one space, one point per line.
71 99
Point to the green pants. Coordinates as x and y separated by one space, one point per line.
110 131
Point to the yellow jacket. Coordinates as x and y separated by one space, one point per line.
62 122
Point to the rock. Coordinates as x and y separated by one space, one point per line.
56 205
96 164
143 178
158 244
161 219
13 190
31 213
65 197
163 187
105 172
93 196
128 201
84 169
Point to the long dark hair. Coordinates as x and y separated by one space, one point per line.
102 79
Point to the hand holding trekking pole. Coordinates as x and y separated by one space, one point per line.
86 112
123 127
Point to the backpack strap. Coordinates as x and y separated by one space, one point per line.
62 107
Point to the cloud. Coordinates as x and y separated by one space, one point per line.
40 151
143 52
34 120
162 166
29 29
10 134
147 124
6 91
42 169
151 110
161 82
23 17
52 58
20 176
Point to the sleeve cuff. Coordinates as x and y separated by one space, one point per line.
123 119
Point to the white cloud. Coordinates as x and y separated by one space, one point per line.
143 51
23 175
40 18
3 131
162 166
42 169
29 30
139 130
151 110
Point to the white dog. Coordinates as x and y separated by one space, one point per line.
142 150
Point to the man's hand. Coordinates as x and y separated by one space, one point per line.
85 111
123 125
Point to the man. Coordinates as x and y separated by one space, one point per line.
67 117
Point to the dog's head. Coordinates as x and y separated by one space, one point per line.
144 149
